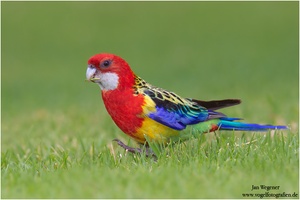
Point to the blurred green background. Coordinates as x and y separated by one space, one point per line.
204 50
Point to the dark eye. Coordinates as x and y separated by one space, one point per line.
106 63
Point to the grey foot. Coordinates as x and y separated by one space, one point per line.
148 152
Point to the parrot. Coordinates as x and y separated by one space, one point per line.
149 113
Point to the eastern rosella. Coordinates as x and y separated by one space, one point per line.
140 109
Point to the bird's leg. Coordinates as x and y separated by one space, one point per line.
148 152
128 148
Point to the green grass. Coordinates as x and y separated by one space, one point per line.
202 168
56 137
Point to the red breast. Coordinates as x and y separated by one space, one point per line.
116 81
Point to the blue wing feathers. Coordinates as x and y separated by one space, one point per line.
181 117
170 119
176 112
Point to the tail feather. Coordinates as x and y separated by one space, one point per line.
240 126
217 104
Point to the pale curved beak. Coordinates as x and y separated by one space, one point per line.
90 73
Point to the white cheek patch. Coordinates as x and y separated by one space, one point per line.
108 81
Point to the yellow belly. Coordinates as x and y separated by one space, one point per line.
154 131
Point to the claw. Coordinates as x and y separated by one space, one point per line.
148 152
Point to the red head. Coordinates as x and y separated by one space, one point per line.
109 71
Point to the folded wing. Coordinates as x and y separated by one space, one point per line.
176 112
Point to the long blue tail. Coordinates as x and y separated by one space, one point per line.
228 124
